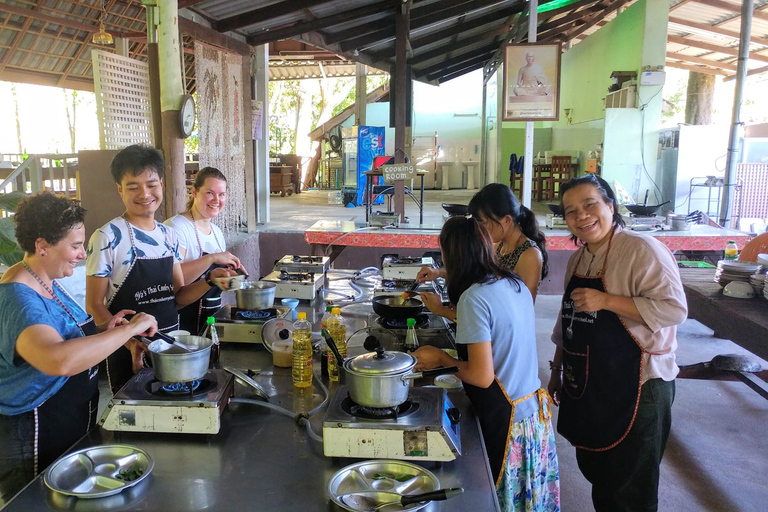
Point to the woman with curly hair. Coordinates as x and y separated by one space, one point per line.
49 346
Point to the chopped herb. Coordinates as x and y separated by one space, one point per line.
130 474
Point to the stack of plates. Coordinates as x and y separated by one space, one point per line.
733 270
765 288
758 282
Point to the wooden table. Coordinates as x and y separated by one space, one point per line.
281 179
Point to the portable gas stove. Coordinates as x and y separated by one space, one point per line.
296 285
305 264
555 221
406 267
146 404
424 427
244 325
651 221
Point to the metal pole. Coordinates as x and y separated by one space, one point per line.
726 204
533 22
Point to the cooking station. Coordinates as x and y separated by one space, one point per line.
262 457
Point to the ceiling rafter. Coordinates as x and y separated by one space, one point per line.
446 71
458 45
700 60
716 30
725 50
697 69
263 14
594 19
444 67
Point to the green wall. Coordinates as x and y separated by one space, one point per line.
513 141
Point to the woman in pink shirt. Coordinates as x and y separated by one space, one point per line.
614 367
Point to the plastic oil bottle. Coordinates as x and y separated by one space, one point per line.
324 320
210 333
731 250
338 331
302 352
411 341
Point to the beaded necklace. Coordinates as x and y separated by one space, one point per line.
51 292
197 233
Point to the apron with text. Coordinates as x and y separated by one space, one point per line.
147 288
193 316
69 414
602 372
496 412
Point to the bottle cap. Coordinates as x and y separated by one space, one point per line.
731 241
411 322
301 316
336 311
328 308
210 320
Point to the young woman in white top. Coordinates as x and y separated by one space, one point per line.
202 245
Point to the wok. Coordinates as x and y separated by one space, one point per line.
395 308
644 211
456 209
555 208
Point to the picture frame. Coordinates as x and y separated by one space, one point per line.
531 82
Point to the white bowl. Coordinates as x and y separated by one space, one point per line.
763 259
739 290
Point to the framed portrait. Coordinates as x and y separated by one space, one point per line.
531 82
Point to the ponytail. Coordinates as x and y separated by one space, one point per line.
530 228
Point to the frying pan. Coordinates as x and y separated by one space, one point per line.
646 211
456 209
395 308
555 208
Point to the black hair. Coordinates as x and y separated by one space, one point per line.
495 201
606 192
45 216
202 175
468 256
135 160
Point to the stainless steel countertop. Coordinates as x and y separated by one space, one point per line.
260 460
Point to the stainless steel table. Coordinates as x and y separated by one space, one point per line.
260 460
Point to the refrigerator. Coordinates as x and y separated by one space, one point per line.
359 146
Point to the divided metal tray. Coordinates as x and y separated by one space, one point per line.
394 476
99 471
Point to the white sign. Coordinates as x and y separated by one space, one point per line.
256 118
395 172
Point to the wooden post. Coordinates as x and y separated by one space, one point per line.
261 147
154 77
171 93
402 30
250 176
360 93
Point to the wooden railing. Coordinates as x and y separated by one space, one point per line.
55 173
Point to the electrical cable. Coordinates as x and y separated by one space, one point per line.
642 139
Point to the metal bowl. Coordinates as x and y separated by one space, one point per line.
382 475
99 471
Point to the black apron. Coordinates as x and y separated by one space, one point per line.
496 412
147 288
193 316
602 372
69 414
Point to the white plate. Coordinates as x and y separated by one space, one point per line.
449 382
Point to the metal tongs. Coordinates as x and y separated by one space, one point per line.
410 292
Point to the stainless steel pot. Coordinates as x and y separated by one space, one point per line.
382 378
678 222
256 295
174 364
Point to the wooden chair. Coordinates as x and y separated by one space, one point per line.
560 172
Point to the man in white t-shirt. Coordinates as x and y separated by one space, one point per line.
133 261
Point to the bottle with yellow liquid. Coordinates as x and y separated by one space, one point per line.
302 352
731 250
338 331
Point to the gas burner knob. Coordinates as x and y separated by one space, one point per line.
284 334
454 415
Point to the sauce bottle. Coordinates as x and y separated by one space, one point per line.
210 333
731 250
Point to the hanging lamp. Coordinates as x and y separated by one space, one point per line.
102 37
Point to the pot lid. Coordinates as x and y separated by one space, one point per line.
381 362
274 330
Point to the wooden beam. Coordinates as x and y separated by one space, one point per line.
451 31
418 22
716 30
573 16
595 18
183 4
457 46
464 63
263 14
36 77
700 60
15 44
61 21
733 8
472 55
697 69
725 50
371 97
459 73
679 5
210 36
296 29
751 72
